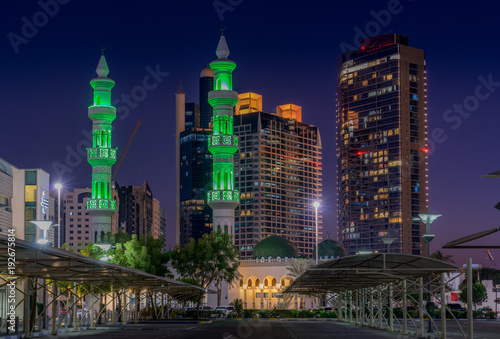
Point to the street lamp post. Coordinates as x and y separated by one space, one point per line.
316 205
58 186
387 240
428 219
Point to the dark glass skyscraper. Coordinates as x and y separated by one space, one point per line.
206 85
381 145
195 165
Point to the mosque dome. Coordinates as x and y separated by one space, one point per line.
329 249
275 246
207 72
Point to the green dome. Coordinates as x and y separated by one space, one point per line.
329 249
275 246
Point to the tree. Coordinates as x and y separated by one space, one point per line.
298 267
213 258
438 255
479 294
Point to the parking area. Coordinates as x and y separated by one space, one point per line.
284 328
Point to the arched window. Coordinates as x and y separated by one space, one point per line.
249 283
102 235
103 138
241 282
217 181
224 125
226 181
282 282
217 85
266 283
230 125
103 190
257 282
95 236
225 229
273 283
98 101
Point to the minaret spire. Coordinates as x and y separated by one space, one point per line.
223 198
222 49
101 156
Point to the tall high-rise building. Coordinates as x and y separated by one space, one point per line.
381 145
101 156
195 165
139 211
278 175
206 85
223 198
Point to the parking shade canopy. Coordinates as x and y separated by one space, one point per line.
43 262
366 270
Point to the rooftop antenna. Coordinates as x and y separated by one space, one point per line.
102 50
222 28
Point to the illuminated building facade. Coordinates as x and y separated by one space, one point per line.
223 198
381 145
278 173
24 196
101 156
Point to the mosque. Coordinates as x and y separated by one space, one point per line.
264 277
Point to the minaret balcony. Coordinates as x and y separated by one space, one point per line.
223 143
222 97
101 112
101 206
101 156
220 197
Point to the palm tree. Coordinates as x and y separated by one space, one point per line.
438 255
297 267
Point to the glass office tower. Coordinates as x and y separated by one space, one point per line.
381 145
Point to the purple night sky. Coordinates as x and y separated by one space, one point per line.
288 53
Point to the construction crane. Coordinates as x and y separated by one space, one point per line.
490 256
126 149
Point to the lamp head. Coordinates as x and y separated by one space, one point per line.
316 204
58 186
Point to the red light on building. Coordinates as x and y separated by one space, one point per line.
423 149
361 152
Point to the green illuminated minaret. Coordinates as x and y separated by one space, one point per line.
223 198
101 156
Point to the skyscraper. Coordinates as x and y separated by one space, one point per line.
278 175
381 145
101 156
139 211
223 198
195 165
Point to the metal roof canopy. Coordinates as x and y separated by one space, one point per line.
478 235
366 270
36 261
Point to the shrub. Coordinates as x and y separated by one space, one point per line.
250 313
305 314
238 307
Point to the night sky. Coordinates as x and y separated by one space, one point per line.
286 51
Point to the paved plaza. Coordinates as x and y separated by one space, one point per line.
232 329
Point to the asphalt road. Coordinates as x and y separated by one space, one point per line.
279 329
